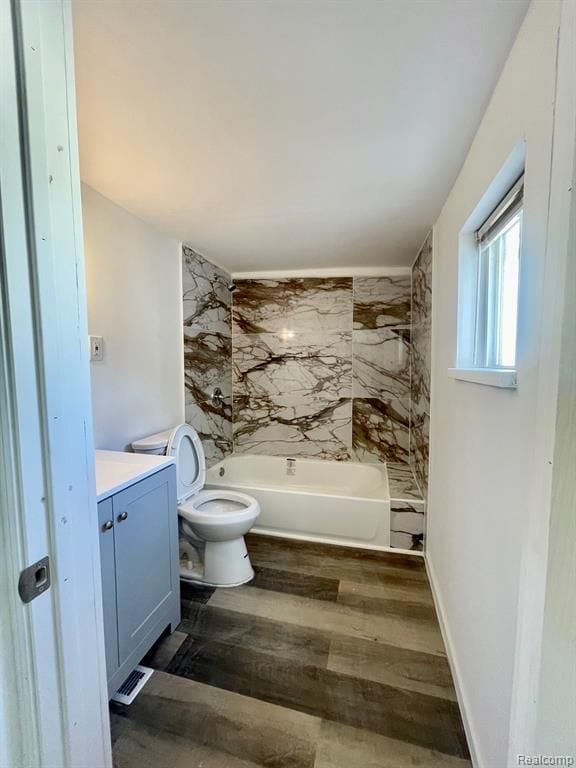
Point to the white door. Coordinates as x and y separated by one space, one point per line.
53 699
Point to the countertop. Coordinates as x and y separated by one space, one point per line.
116 470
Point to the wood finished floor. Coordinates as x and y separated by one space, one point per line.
330 658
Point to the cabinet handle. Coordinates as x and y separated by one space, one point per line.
122 516
108 525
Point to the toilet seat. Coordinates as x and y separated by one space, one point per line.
219 506
186 448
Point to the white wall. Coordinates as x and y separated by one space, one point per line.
483 440
134 280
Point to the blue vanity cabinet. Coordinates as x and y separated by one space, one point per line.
107 561
140 579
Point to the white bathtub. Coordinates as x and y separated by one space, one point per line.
329 501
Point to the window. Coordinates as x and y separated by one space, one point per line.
498 257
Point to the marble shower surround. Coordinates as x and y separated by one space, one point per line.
321 367
207 352
421 363
407 508
407 522
317 367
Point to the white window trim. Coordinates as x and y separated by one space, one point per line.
465 370
503 378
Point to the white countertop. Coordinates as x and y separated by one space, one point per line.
116 470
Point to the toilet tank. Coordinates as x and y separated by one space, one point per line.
155 444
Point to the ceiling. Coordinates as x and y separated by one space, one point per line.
284 134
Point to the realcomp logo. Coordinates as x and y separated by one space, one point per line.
562 760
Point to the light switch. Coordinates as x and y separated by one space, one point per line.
96 348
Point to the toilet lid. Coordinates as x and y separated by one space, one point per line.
185 446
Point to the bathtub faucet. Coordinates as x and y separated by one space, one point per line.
217 397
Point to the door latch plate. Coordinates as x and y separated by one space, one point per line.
34 580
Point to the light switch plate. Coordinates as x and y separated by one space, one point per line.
96 348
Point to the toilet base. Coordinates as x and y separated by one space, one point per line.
202 582
225 564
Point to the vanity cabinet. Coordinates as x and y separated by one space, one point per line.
140 579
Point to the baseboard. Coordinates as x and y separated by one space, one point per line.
477 762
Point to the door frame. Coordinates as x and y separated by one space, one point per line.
54 703
535 584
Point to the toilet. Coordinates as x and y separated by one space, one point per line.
211 524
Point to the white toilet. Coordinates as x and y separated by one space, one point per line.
212 524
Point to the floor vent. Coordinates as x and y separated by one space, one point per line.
132 686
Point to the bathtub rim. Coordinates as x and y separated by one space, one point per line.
381 468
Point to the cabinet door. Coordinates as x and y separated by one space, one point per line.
145 526
108 567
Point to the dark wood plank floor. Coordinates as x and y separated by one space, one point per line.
330 658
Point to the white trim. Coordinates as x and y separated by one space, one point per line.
534 565
27 523
277 274
50 390
473 742
20 737
556 720
490 377
468 253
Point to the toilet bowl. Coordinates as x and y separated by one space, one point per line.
212 524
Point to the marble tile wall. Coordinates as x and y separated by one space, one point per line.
207 352
407 508
421 363
292 367
381 366
321 367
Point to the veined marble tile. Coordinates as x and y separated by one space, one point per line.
214 430
402 483
381 363
308 366
291 305
382 302
407 524
380 429
318 428
206 297
420 450
207 353
422 284
421 362
207 364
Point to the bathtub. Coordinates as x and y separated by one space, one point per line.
333 502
